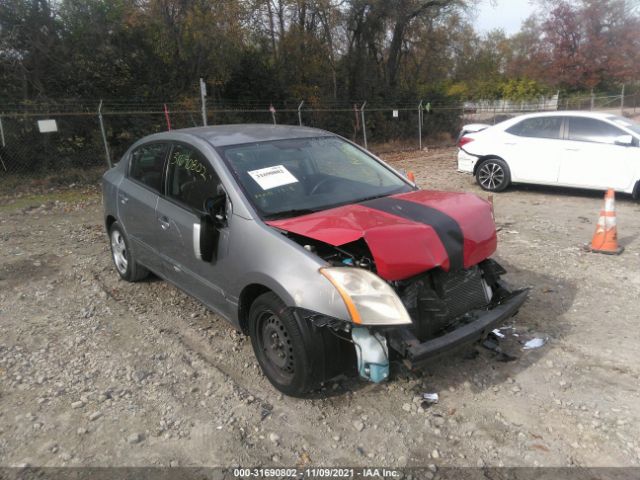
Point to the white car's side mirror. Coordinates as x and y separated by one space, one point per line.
624 140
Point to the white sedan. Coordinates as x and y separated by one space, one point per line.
571 149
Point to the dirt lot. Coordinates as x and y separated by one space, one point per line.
95 371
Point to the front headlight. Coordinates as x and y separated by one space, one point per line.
369 299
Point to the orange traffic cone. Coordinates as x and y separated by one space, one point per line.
605 238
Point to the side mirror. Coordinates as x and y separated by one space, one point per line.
206 233
205 239
624 140
216 207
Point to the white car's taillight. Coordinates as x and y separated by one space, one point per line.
463 141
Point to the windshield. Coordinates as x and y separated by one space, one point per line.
625 122
285 178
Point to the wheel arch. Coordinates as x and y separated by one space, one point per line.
108 221
247 297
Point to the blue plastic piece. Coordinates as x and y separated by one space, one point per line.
377 372
348 261
372 353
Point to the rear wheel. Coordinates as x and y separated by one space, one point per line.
294 355
493 175
122 256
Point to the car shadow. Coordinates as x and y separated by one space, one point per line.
565 191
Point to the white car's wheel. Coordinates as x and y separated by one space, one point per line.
493 175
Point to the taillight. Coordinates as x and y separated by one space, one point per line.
463 141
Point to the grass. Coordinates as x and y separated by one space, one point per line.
67 195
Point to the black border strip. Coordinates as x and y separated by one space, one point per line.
447 228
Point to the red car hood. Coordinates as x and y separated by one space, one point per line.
407 233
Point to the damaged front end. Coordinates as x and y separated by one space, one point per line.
438 310
414 272
452 309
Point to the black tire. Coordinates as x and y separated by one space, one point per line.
294 355
493 175
122 256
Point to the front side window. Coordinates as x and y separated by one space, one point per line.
290 177
146 164
585 129
190 178
538 127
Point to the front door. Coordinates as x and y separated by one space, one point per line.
191 180
591 158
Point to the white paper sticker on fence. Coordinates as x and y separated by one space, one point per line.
395 114
46 126
272 177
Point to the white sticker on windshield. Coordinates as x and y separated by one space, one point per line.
272 177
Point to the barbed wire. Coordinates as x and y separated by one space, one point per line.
131 107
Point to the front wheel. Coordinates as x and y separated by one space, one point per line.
493 175
294 355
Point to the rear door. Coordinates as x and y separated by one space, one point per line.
591 158
138 196
533 148
190 180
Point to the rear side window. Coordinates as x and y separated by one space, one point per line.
146 164
539 127
191 180
591 130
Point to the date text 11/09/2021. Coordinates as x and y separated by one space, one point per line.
316 473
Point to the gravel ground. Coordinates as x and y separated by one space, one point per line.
95 371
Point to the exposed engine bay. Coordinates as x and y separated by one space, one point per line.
437 301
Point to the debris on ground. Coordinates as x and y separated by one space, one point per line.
534 343
431 398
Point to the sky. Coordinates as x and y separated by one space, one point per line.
505 14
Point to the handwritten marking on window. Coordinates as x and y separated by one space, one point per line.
185 161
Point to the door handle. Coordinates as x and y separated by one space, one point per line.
123 198
510 143
164 223
572 149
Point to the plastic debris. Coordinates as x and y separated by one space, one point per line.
431 397
534 343
497 333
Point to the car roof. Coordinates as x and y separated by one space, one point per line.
224 135
572 113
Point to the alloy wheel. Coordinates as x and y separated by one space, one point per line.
491 175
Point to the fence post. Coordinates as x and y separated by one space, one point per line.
104 136
593 98
300 113
166 117
364 128
2 133
420 125
203 101
622 101
3 144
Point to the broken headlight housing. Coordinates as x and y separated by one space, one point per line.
368 298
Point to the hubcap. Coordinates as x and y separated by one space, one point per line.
276 344
491 175
119 250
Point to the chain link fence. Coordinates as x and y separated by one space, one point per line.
79 140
